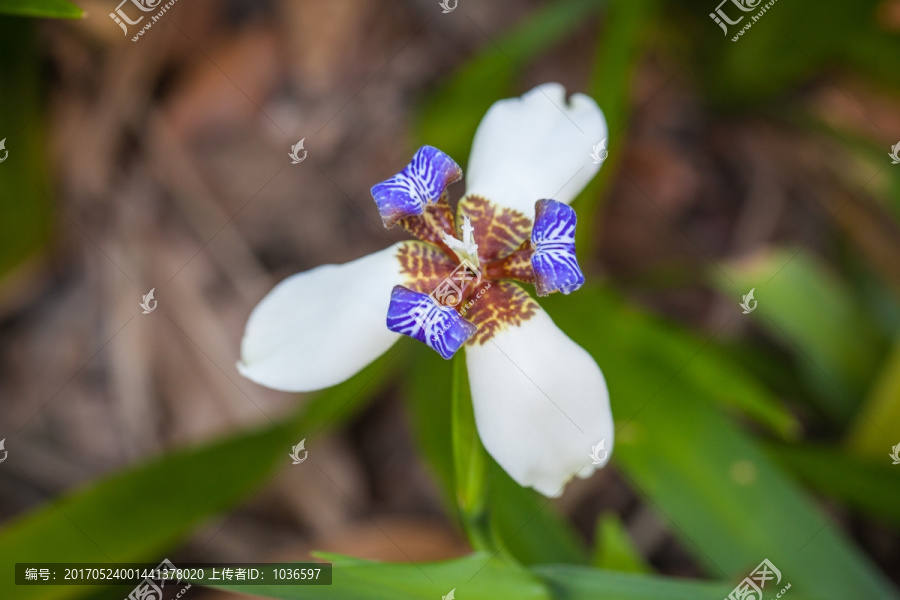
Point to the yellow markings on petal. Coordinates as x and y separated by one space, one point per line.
436 219
498 231
423 266
503 304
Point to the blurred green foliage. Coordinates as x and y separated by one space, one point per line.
453 112
812 312
725 498
792 43
482 577
25 205
142 511
871 487
55 9
613 549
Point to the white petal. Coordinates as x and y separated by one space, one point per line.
320 327
534 147
541 404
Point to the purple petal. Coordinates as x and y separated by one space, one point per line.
553 237
422 318
421 182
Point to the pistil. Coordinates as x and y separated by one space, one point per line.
466 250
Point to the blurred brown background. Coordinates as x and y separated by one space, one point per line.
169 157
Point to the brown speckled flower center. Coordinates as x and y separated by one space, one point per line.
504 251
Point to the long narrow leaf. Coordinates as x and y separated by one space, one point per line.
524 523
475 577
55 9
135 514
451 115
728 502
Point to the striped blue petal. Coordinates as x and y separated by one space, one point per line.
422 318
421 182
553 239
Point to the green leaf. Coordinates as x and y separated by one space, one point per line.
613 549
522 522
470 461
871 487
55 9
581 583
728 502
451 115
719 379
620 46
427 391
528 526
817 318
135 514
475 577
789 45
879 419
25 210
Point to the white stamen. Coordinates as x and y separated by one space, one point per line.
466 249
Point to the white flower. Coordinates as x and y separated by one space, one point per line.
540 400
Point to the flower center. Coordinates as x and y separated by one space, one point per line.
466 250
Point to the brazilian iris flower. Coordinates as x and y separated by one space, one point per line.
540 400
